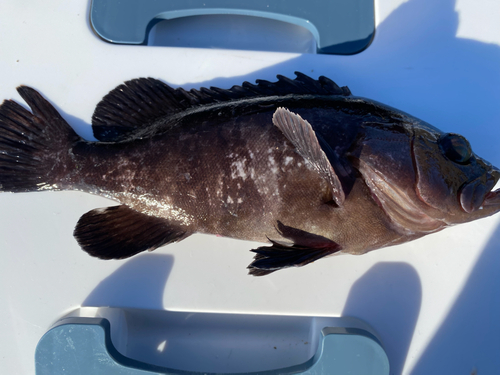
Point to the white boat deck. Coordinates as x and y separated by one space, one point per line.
434 302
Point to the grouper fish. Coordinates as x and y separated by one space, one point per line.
299 163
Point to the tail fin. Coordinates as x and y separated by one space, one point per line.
32 145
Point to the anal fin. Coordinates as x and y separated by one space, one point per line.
307 248
120 232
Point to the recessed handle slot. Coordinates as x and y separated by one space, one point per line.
338 26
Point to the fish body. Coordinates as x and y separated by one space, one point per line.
301 163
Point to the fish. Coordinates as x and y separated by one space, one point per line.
300 164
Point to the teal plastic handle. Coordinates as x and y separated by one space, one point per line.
339 26
84 346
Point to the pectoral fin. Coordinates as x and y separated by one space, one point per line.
301 134
119 232
306 248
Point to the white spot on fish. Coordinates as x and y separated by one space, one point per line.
240 200
122 163
272 165
229 200
218 192
238 169
288 160
150 205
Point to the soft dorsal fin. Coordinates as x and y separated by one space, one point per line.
140 102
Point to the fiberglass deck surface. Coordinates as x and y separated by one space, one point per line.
434 302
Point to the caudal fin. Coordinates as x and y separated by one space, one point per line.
33 145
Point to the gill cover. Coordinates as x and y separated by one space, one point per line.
384 158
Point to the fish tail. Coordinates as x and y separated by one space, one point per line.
33 145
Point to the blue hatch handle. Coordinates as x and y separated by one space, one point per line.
339 26
82 345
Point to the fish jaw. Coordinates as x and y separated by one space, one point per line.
492 198
490 204
473 195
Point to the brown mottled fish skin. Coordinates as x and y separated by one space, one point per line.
236 180
299 162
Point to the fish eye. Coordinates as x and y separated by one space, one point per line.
455 147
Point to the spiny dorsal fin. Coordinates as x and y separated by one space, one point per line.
140 102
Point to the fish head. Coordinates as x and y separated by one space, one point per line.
451 179
424 179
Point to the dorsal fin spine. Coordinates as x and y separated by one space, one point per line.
140 102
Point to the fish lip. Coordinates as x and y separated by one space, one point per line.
492 194
492 198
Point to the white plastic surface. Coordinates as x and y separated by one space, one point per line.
434 302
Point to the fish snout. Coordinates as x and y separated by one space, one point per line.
478 193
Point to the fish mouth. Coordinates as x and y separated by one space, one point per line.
492 198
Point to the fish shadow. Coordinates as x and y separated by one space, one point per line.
388 296
139 283
467 341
